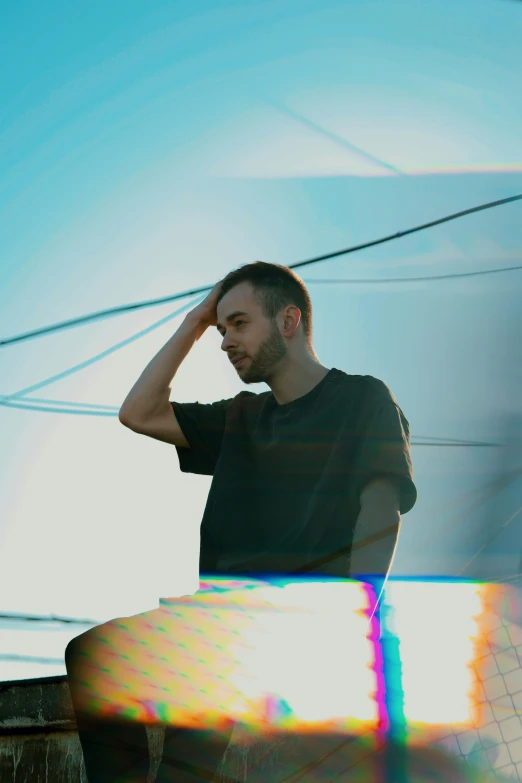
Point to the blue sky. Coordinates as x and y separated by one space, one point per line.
147 149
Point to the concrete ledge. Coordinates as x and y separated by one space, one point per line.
35 704
38 737
41 758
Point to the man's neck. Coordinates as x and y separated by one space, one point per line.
296 382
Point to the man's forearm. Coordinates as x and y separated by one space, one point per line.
152 389
376 531
151 392
374 542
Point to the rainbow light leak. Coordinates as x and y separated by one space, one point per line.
302 656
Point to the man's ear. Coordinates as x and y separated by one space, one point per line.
292 314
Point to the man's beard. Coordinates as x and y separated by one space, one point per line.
261 366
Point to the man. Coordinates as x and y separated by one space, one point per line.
309 477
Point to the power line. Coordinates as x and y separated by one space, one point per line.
474 499
20 400
102 355
510 579
339 140
417 279
50 618
50 408
399 234
193 292
97 410
490 540
95 406
450 444
31 659
458 441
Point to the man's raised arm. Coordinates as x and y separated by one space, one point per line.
147 409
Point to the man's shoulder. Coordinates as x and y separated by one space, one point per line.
248 399
366 387
225 404
378 389
253 399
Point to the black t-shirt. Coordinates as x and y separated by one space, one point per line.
287 478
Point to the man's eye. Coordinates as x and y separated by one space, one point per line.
239 322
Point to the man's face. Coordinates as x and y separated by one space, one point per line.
248 333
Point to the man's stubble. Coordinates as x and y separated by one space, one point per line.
260 367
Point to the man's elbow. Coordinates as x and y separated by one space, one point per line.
125 419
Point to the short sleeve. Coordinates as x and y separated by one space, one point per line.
384 450
203 426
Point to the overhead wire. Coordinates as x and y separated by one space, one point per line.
192 292
50 406
72 404
55 409
19 399
88 362
490 540
30 659
472 500
50 618
388 280
104 410
334 137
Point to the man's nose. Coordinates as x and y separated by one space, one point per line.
227 342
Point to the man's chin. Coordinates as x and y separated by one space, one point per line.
250 377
